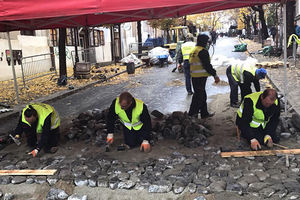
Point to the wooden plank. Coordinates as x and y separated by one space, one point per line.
24 172
259 153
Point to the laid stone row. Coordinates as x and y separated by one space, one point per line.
265 176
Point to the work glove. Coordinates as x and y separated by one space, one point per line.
17 136
217 79
255 145
145 146
268 141
34 152
110 138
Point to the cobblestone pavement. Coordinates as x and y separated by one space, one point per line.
170 170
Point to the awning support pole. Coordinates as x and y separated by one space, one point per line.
285 59
13 67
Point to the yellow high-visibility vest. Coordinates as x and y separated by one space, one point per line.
197 69
186 49
237 72
258 118
136 124
43 111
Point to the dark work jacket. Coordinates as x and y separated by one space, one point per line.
249 78
22 127
205 60
144 118
273 111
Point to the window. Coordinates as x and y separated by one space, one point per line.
70 37
28 32
97 38
102 38
53 36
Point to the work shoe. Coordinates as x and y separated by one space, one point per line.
235 105
208 115
190 93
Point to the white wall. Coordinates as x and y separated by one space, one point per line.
103 53
30 45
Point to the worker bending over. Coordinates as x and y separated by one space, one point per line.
134 116
243 76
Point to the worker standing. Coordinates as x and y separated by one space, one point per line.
134 116
258 117
39 119
201 68
184 56
243 76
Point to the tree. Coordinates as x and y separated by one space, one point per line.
165 24
261 16
271 15
155 25
253 22
245 17
290 28
206 21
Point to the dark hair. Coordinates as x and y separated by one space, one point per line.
202 40
30 111
125 96
270 92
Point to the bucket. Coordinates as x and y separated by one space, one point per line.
130 68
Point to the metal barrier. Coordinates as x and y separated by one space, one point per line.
84 55
37 66
146 46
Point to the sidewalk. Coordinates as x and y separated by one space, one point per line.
276 75
56 92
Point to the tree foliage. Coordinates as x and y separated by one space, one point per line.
206 21
271 15
164 24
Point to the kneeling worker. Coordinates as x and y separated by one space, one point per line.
258 117
134 116
39 119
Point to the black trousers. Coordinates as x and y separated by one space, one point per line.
199 103
135 138
245 89
259 134
51 140
233 87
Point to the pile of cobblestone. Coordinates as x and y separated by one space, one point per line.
90 126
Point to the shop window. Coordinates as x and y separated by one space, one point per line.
53 36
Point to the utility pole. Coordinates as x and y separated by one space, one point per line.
62 57
139 30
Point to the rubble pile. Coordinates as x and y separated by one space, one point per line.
90 126
185 129
289 126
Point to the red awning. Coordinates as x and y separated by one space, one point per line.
45 14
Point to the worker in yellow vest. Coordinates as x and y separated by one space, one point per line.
134 116
201 68
184 56
258 117
242 76
39 120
